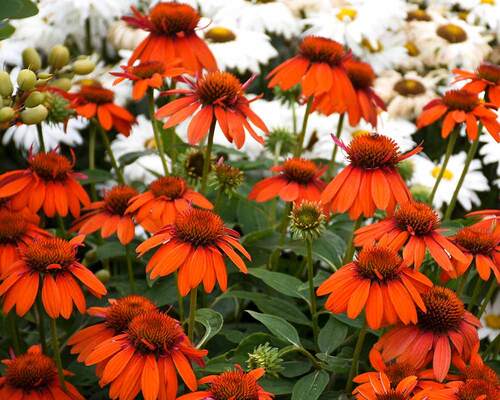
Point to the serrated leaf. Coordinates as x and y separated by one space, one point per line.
283 283
278 327
332 335
310 386
212 321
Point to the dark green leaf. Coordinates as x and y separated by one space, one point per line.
110 250
310 386
6 30
332 335
277 387
335 364
212 321
129 158
96 176
17 9
283 283
292 369
278 327
251 216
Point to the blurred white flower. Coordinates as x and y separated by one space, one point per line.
123 36
486 13
490 151
306 7
490 321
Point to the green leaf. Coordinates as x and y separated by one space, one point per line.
96 176
335 364
212 321
278 327
283 283
17 9
332 335
6 30
251 216
129 158
293 369
310 386
110 250
278 387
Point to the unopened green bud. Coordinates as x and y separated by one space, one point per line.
6 114
267 357
35 98
6 87
34 115
62 83
31 59
307 220
406 169
58 56
83 66
26 79
103 275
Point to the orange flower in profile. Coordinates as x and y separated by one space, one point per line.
486 79
171 37
194 246
444 333
220 97
368 102
459 107
51 265
319 67
165 198
489 218
415 227
298 179
96 101
146 358
380 283
117 317
109 215
232 385
149 74
33 375
371 180
49 183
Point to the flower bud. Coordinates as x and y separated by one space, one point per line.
34 115
6 114
62 83
406 169
35 98
267 357
26 79
103 275
307 220
280 142
31 59
83 66
58 56
193 164
226 178
6 87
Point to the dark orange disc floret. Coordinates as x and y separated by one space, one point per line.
373 151
460 100
30 372
147 69
96 94
481 371
360 73
116 200
475 240
391 394
474 389
409 87
171 187
12 226
417 218
399 370
378 263
43 253
218 88
445 311
234 385
489 72
173 18
322 50
198 227
122 311
299 170
50 166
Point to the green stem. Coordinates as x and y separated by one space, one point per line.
312 294
475 293
41 142
300 140
88 37
355 358
57 353
449 150
130 269
350 246
301 350
463 281
180 300
470 156
157 133
41 324
207 158
193 298
340 125
92 140
488 297
218 199
14 332
114 164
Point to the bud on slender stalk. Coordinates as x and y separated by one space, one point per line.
35 98
6 87
58 56
26 79
307 220
83 66
62 83
35 115
6 114
31 59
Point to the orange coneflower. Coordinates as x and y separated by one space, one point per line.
489 218
117 317
475 389
49 182
368 102
33 375
194 245
444 333
165 198
109 215
221 98
232 385
486 79
171 37
48 264
298 179
320 69
380 283
149 74
415 227
96 101
458 107
371 180
477 369
146 358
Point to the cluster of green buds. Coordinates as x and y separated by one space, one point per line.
267 357
226 178
307 220
280 142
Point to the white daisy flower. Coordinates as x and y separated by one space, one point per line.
490 321
426 172
490 151
123 36
306 7
141 139
486 13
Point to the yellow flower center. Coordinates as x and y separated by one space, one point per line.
219 34
452 33
492 2
349 13
492 321
376 47
150 144
360 132
412 49
448 175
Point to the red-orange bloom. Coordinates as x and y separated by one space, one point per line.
378 282
172 37
165 198
194 245
232 385
298 179
489 218
458 107
146 358
368 102
48 182
149 74
415 228
117 317
444 333
96 101
320 69
220 97
371 180
48 264
486 79
109 215
475 389
33 375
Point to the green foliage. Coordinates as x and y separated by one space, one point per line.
14 9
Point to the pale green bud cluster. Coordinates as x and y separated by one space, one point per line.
226 178
280 142
267 357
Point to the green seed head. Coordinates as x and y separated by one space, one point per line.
35 98
6 87
34 115
31 59
58 56
83 66
6 114
26 79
